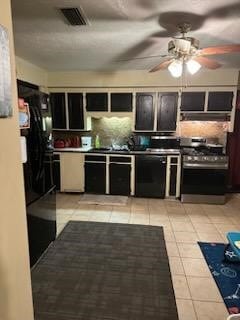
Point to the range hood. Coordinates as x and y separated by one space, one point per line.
205 116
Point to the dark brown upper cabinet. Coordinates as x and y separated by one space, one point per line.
167 111
220 101
97 101
58 108
192 101
144 111
121 102
75 111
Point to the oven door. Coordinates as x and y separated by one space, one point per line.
204 180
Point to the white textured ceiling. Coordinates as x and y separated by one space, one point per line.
118 30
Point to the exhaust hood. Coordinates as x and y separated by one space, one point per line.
205 116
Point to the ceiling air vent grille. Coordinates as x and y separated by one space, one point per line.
74 16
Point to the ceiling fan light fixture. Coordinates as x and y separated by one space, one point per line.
182 45
193 66
176 68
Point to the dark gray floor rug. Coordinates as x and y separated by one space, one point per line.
104 271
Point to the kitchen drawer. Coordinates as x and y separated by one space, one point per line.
120 159
56 157
174 160
95 158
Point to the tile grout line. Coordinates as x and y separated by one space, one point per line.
174 240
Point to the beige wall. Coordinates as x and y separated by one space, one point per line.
29 72
223 77
15 289
44 78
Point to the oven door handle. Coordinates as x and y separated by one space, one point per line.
205 166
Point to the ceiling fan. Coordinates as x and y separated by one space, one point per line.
184 52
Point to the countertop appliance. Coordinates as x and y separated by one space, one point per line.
38 176
204 178
86 142
164 144
138 142
150 176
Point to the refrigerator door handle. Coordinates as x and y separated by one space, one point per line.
41 148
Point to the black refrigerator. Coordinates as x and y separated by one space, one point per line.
40 190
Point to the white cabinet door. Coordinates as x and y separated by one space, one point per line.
72 172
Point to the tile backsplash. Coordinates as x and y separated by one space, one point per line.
117 130
112 130
207 129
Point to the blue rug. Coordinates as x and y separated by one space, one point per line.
226 274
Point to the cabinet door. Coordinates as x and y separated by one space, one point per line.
150 176
144 111
167 112
56 174
95 177
58 107
72 172
120 178
97 101
121 102
220 101
192 101
75 111
173 180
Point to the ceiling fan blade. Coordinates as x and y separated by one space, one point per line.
231 48
208 63
147 57
161 66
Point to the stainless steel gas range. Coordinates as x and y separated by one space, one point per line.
204 178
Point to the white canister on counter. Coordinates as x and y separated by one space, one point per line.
86 142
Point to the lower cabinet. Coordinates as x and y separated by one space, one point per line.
56 172
119 179
95 174
173 176
72 172
150 176
114 174
108 174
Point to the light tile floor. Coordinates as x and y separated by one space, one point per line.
196 293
